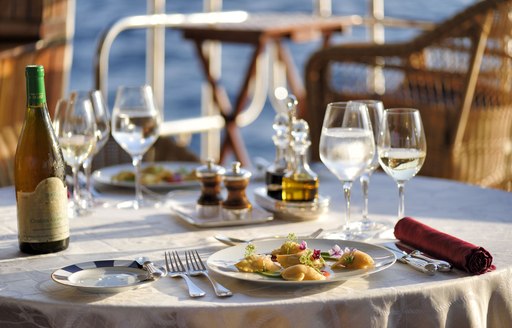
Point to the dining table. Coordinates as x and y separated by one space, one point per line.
398 296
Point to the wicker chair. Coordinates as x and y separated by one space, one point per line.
460 77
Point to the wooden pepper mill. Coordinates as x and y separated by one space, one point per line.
236 206
210 176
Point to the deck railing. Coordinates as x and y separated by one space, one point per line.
210 123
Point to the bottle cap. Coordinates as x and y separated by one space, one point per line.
210 169
34 71
237 172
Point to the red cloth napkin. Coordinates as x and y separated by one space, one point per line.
463 255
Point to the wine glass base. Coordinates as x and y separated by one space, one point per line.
375 227
89 202
138 204
75 211
352 231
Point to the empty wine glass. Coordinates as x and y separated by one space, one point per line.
376 111
135 127
402 147
102 118
75 127
346 148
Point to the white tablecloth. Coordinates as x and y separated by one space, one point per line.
396 297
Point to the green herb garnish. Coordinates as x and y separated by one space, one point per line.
292 237
250 249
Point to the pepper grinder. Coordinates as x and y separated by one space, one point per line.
236 206
210 176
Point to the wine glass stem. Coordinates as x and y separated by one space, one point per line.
346 192
136 160
87 170
365 181
76 188
401 201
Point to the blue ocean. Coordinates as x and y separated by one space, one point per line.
182 70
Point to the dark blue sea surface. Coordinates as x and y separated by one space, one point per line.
182 70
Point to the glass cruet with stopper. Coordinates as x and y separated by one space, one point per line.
300 184
275 172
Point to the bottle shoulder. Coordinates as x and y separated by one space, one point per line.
38 155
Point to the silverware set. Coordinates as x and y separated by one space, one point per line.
421 262
193 266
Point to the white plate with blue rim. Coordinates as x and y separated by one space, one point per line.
104 276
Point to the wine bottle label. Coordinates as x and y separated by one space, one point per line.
42 214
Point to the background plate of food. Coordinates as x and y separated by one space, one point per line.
338 262
157 175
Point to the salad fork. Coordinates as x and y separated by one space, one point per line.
196 267
175 268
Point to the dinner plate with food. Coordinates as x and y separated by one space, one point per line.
156 175
291 261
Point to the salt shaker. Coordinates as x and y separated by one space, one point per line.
236 206
210 176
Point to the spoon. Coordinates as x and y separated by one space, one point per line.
153 272
232 241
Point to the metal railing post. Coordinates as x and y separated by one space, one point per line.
375 78
155 54
210 141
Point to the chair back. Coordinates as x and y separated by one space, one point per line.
458 75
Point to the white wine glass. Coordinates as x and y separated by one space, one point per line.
376 111
402 147
347 147
102 118
135 127
75 127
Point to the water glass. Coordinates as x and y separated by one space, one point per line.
347 147
102 119
135 127
376 111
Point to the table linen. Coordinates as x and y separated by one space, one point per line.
396 297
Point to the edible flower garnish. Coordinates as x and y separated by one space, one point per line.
249 249
336 251
303 245
309 256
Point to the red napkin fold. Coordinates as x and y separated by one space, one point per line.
463 255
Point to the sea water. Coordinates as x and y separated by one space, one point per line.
183 74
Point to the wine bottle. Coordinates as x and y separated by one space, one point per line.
39 175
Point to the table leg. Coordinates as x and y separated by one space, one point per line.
232 139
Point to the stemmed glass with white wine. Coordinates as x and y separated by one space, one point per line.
376 111
135 127
346 148
75 127
102 118
402 147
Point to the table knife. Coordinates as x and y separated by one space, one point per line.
417 264
442 266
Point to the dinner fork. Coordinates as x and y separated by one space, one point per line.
195 267
175 268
